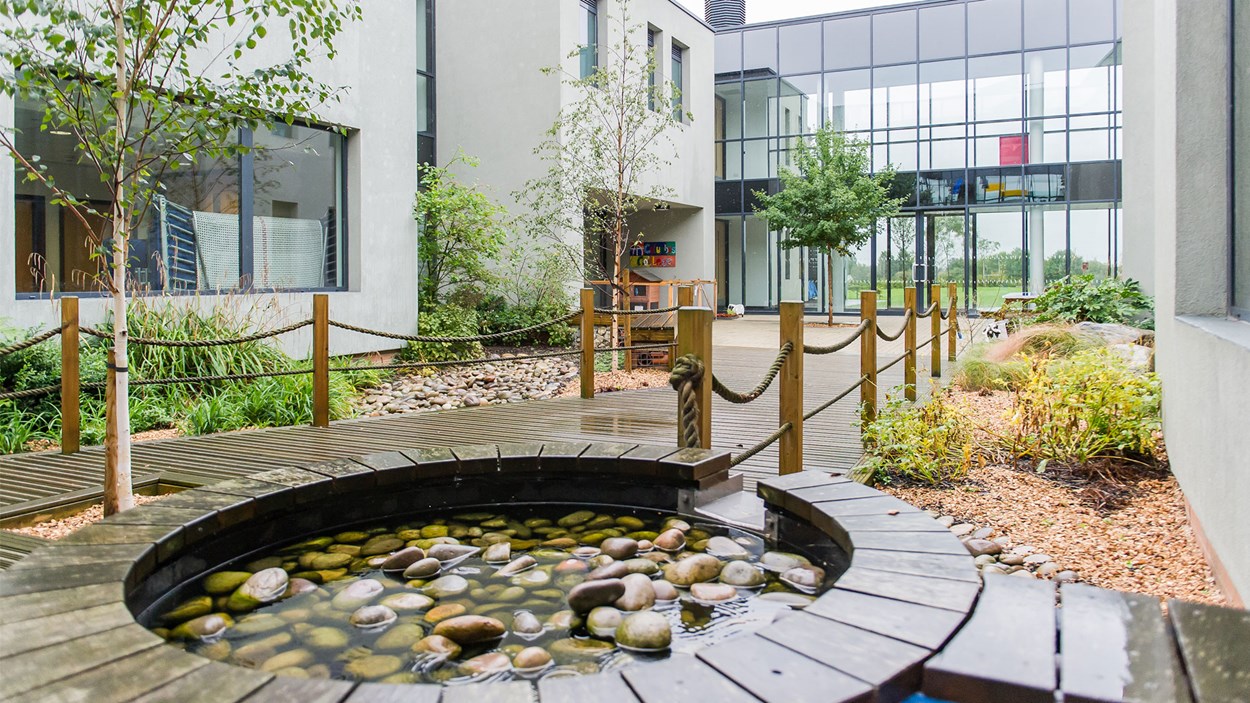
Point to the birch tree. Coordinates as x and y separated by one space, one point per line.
605 152
146 87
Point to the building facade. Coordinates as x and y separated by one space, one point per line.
320 207
1187 173
513 42
1001 117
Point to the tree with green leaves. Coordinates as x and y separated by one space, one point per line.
145 87
460 230
604 153
833 200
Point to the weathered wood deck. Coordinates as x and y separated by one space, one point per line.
38 483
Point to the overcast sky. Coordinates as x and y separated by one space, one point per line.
766 10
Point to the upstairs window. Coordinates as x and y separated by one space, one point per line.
679 83
590 38
651 59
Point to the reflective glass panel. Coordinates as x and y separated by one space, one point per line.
729 52
1092 78
943 153
1098 180
1047 141
734 249
997 185
729 111
897 261
759 49
1045 23
848 43
800 48
800 104
894 37
997 253
945 233
423 35
942 32
1045 234
943 98
993 26
1091 21
1091 138
995 87
297 235
1046 83
1092 240
857 274
894 97
761 263
759 159
848 100
942 188
760 119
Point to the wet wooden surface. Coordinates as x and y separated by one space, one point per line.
35 483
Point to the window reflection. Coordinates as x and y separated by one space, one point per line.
1091 78
848 100
894 37
894 97
942 32
1045 23
943 99
760 104
848 42
995 87
993 26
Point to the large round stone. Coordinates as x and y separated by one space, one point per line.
619 548
408 602
260 588
205 627
372 617
446 586
613 570
603 621
437 645
576 650
489 663
357 594
639 593
191 608
695 569
404 558
532 659
587 596
373 667
423 568
725 548
223 582
646 631
402 636
742 574
470 629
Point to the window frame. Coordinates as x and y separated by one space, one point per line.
678 63
1235 309
588 62
247 185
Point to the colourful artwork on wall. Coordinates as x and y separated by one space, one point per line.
660 255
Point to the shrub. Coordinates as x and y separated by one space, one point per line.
17 427
1092 406
498 315
927 443
444 321
1082 299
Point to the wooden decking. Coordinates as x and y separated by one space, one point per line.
37 483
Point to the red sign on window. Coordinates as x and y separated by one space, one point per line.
1013 151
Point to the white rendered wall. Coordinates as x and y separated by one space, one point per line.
1176 151
495 104
377 61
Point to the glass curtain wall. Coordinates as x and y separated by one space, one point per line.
1002 118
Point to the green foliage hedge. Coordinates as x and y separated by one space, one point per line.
1083 299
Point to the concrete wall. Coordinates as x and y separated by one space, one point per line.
500 49
378 62
1176 117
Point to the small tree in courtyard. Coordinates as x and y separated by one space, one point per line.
833 200
605 152
145 87
460 230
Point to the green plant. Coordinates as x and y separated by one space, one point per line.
1092 406
498 315
978 374
1084 299
928 443
460 230
17 428
444 321
834 200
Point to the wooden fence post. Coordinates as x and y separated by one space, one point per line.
952 335
321 360
588 343
868 355
694 336
685 296
791 403
628 335
70 418
935 331
909 343
111 479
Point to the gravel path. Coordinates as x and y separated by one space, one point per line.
56 529
1143 544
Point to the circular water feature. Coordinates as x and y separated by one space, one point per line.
488 594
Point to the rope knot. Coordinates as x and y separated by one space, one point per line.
686 369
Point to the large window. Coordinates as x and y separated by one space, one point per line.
589 38
270 219
1241 161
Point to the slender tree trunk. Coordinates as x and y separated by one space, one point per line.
829 281
118 494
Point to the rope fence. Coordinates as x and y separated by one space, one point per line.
907 320
839 346
33 341
200 343
772 438
736 398
627 313
419 339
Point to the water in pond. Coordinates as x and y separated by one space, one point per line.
478 596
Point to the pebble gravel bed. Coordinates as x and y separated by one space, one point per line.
497 383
